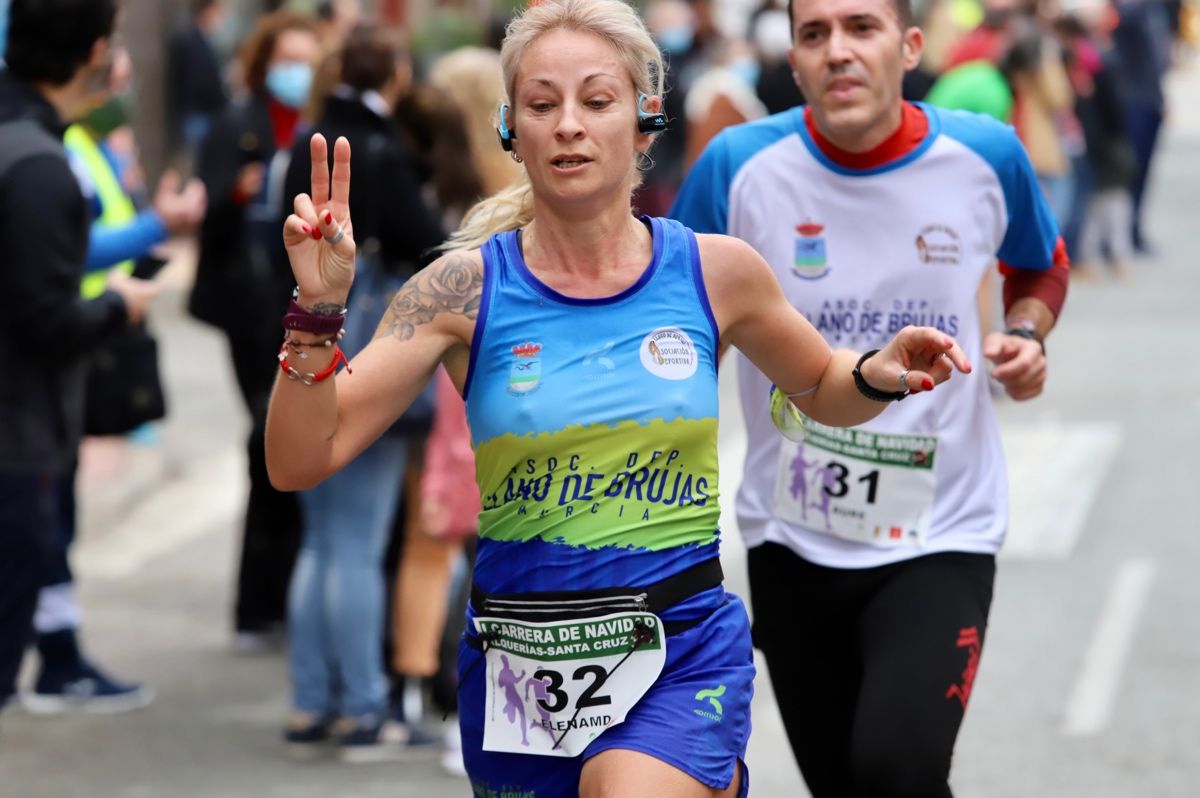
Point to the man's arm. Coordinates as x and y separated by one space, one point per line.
1036 269
703 200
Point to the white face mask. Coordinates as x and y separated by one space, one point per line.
289 82
773 35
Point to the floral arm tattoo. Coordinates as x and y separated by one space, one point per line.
453 286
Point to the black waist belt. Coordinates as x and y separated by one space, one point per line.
568 604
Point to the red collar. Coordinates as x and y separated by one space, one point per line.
914 127
283 123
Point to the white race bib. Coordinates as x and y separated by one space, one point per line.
554 687
858 485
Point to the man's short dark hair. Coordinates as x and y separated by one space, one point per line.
49 40
370 56
903 9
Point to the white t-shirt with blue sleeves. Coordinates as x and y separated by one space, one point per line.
862 253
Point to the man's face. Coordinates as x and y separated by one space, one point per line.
849 58
106 73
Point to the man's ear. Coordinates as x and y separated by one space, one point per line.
791 59
912 46
101 51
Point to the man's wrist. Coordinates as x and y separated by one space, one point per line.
1025 328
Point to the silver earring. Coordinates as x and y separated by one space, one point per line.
516 157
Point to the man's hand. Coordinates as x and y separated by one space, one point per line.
136 293
1019 364
181 211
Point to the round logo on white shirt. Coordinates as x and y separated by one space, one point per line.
668 352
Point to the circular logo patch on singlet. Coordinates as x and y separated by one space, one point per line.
668 352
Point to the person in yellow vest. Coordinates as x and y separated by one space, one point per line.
120 234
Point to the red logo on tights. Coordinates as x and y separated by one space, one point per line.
969 639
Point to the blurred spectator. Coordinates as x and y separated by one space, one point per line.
723 95
674 25
60 57
976 86
119 235
450 507
241 270
1042 98
771 33
471 77
1104 226
335 20
434 130
195 88
336 602
1142 45
466 87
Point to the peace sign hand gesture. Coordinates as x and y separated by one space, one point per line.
318 236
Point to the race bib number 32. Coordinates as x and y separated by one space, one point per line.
858 485
554 687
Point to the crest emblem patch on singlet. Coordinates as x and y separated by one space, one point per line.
525 374
809 262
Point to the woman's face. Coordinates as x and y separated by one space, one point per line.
295 47
575 113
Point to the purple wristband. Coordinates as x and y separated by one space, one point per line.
302 320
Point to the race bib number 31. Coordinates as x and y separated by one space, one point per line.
858 485
553 687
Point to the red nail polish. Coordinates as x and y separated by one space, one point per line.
927 384
307 230
316 234
328 217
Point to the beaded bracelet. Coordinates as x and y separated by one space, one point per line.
309 377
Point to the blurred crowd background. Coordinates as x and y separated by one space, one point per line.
214 110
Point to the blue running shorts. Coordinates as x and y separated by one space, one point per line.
696 716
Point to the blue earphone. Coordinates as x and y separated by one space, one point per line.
503 131
646 123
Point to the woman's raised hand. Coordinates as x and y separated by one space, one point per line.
318 235
917 359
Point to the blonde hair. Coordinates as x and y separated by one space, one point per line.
613 21
471 77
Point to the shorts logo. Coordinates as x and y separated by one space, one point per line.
668 352
809 262
937 243
968 638
718 711
525 374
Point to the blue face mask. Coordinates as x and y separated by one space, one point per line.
677 39
290 83
747 70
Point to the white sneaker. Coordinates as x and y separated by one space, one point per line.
452 758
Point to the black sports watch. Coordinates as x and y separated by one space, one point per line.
1024 328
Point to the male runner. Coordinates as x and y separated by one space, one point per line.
872 579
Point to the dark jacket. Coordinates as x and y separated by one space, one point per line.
242 279
46 327
391 217
194 82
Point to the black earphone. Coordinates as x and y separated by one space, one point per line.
647 123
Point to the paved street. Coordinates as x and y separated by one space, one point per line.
1089 683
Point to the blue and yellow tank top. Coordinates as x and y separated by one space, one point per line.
594 423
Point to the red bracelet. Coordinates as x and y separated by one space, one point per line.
309 378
